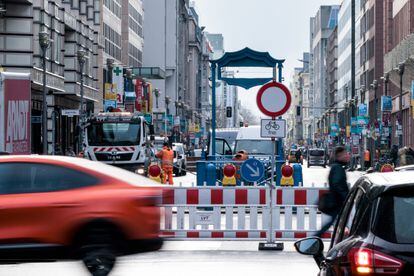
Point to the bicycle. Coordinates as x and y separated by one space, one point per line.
271 125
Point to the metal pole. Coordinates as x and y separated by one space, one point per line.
401 72
44 111
213 108
271 238
352 51
82 114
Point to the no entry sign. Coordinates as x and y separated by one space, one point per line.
273 99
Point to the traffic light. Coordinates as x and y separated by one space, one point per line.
229 112
298 110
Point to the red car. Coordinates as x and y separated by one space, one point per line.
55 208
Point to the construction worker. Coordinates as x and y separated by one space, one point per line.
167 160
367 159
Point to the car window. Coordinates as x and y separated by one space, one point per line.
227 150
346 220
19 178
394 220
220 146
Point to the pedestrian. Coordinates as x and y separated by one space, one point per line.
367 159
331 202
69 152
298 156
239 158
149 155
394 155
167 160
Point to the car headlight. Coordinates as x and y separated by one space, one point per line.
141 171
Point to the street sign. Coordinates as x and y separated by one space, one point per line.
273 128
252 170
70 112
273 99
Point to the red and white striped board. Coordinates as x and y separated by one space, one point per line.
240 213
214 196
253 196
111 149
238 234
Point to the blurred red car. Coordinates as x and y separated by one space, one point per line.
55 208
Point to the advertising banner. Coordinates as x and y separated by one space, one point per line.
108 104
138 95
118 80
17 112
334 130
362 110
110 91
386 103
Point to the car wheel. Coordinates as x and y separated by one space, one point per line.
183 171
98 252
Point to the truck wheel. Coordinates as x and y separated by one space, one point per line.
98 252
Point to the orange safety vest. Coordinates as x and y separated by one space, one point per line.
367 155
167 157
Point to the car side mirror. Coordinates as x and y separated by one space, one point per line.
179 157
310 246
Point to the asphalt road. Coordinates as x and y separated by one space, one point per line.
188 258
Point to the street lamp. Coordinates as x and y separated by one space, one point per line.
386 79
44 41
400 70
167 103
374 86
82 57
157 94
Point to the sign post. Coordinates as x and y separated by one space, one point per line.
273 100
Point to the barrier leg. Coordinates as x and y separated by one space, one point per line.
271 244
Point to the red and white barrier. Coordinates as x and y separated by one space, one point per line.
212 212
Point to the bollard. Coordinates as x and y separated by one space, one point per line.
297 174
210 174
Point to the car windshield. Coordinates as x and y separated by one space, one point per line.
114 134
394 221
255 147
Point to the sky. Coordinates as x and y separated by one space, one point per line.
280 27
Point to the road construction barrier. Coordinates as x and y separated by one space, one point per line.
232 213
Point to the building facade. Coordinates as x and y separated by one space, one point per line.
322 25
71 25
399 66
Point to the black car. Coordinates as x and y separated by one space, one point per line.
374 234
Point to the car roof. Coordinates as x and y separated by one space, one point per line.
391 178
250 133
94 166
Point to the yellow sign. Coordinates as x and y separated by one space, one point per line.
110 91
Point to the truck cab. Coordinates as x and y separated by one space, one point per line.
118 139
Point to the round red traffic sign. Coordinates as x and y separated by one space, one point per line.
273 99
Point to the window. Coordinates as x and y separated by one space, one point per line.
346 219
20 178
394 220
112 42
